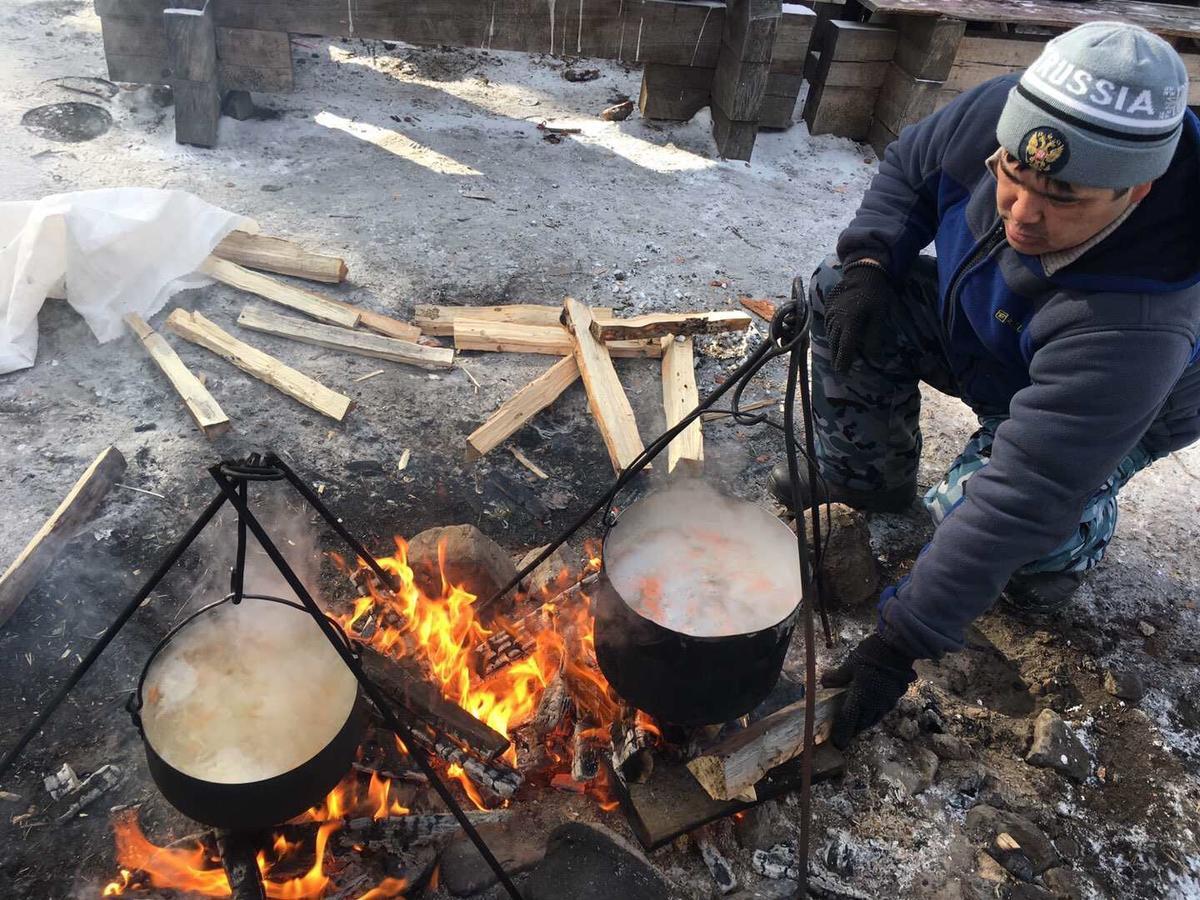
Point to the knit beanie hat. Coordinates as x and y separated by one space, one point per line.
1103 106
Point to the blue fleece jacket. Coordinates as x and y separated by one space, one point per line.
1087 363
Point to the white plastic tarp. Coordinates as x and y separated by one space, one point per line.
109 252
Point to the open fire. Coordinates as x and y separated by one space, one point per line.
443 636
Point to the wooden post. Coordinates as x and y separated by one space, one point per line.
740 82
680 397
192 57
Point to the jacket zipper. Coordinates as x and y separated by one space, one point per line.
983 250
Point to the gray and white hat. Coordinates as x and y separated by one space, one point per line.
1103 106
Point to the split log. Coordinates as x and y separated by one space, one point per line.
633 752
716 863
196 328
522 406
551 340
76 509
272 254
585 755
335 338
606 397
204 410
238 857
657 325
314 305
426 702
552 708
500 779
733 766
765 309
96 785
680 397
439 320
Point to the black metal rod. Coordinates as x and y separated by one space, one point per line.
272 459
111 632
399 727
237 578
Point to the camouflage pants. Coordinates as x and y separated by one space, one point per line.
868 436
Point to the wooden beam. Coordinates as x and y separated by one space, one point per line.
192 56
335 338
734 765
272 254
740 81
205 410
928 46
552 340
314 305
606 397
671 803
680 397
657 325
76 509
199 330
522 406
438 321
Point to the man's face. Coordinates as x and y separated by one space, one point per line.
1043 215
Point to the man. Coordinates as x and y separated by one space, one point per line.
1063 307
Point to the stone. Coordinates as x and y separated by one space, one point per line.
1055 746
474 561
1023 891
947 746
851 576
1124 684
762 827
1146 629
908 772
463 870
838 854
553 576
1062 883
986 823
1005 849
588 862
965 777
906 729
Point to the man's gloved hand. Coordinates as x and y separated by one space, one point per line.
877 675
854 312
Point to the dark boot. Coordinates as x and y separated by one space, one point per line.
1043 593
896 500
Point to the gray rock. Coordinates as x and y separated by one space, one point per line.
908 771
552 576
1062 883
464 871
473 561
771 890
851 574
762 827
1125 684
585 862
1055 746
906 729
838 854
1021 891
986 823
947 746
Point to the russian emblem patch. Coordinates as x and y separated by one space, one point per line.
1045 150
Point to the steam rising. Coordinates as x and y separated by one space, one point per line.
703 564
247 692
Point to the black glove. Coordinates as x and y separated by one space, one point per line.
854 312
877 675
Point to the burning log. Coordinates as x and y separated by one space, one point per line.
718 866
552 708
518 639
732 767
632 755
585 754
238 851
502 780
424 701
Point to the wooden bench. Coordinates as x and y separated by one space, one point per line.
940 48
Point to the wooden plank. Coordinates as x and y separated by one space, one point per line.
75 510
678 324
734 139
674 93
792 39
671 803
854 53
606 397
1161 18
844 111
1018 50
927 46
751 27
777 112
857 42
739 84
320 308
438 321
382 324
856 74
192 55
735 764
551 340
966 75
335 338
272 254
680 397
904 99
200 404
522 406
196 328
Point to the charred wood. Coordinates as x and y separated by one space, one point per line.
633 753
718 866
238 858
585 754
